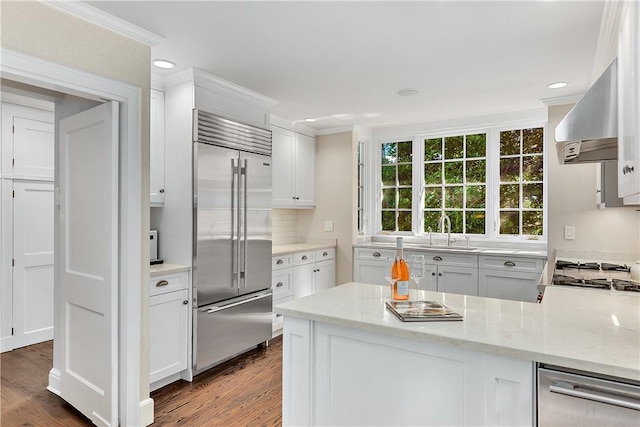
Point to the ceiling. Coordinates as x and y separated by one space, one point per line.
343 62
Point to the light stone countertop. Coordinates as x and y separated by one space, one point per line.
166 268
457 248
595 331
290 248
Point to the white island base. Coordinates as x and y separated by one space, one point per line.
336 375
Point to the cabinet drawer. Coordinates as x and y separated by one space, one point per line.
322 254
163 283
281 284
446 258
532 265
281 261
374 253
301 258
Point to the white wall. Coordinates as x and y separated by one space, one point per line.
335 163
572 202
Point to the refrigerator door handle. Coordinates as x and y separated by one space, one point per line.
234 261
244 301
245 231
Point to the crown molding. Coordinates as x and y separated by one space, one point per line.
96 16
217 84
293 125
340 129
561 100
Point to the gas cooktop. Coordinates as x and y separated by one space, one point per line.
594 275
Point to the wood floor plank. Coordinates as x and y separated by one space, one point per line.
244 391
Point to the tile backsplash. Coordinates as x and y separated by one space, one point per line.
285 224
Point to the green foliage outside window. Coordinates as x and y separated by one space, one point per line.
521 182
396 176
454 182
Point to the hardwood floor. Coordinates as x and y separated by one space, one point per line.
246 390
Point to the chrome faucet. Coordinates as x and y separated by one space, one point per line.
430 236
441 221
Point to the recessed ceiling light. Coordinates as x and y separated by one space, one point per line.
408 92
163 63
557 85
310 120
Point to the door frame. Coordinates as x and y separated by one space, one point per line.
133 407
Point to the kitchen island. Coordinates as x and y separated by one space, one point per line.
349 361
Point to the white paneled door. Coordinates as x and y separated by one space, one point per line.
89 262
33 148
33 257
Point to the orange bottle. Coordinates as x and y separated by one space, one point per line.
399 275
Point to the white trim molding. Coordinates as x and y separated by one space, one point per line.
561 100
96 16
40 73
340 129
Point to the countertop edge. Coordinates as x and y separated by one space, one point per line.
166 268
290 248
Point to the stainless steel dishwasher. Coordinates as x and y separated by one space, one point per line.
574 398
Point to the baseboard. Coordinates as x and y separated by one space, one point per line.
54 381
164 381
146 412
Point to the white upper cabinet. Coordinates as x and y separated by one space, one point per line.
628 108
156 148
294 160
27 143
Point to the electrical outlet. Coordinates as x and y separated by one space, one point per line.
569 232
328 226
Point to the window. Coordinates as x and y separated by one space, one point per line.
360 208
397 192
489 181
455 171
521 182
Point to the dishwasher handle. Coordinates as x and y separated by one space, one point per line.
595 394
234 304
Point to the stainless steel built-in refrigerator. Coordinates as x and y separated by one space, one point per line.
232 238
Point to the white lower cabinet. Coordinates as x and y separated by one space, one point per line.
300 274
313 271
452 273
512 278
332 376
169 312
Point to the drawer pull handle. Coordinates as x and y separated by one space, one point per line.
279 262
278 315
376 255
161 283
509 263
437 258
325 254
279 285
185 302
304 257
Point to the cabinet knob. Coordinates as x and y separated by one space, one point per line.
440 274
433 274
161 190
437 258
279 285
376 254
509 264
279 262
185 302
161 283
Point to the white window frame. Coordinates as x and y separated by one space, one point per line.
492 130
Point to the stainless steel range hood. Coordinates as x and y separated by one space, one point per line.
589 132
